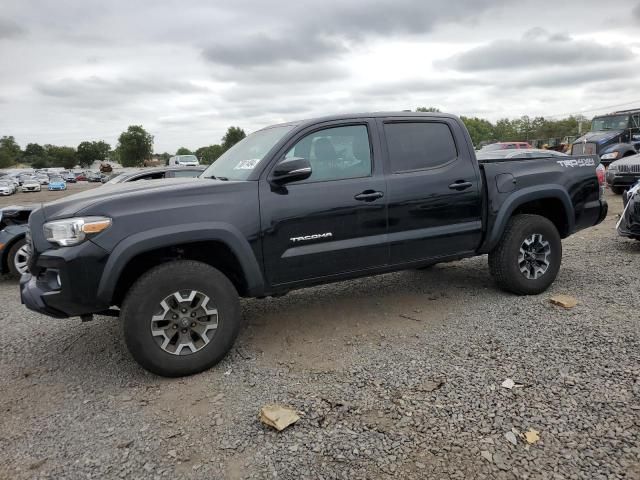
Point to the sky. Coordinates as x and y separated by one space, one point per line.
186 70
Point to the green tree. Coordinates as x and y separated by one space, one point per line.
33 151
210 154
184 151
89 152
233 136
164 157
65 157
428 109
9 151
40 162
480 130
134 146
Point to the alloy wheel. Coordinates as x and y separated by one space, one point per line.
185 322
533 258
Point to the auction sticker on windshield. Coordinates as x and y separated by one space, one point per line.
247 164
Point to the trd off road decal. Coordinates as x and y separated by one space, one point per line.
578 162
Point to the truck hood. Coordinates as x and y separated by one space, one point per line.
99 198
599 137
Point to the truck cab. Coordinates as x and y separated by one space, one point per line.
612 136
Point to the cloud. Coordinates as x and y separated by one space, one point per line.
537 48
636 13
311 32
98 91
10 29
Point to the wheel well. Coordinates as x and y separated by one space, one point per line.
214 253
550 208
4 266
629 153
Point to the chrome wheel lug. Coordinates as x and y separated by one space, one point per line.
193 314
193 324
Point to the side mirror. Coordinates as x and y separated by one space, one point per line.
291 170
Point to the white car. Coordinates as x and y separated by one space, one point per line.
31 185
184 161
7 188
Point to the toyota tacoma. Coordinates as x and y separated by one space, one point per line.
296 205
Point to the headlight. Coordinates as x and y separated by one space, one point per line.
72 231
610 156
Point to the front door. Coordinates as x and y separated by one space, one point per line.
335 221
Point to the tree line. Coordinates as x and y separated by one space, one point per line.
135 145
524 128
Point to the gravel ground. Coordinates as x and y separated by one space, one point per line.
397 376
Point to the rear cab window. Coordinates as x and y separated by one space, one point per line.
415 146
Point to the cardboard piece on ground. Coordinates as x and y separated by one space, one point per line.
565 301
278 417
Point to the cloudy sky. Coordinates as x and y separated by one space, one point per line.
185 70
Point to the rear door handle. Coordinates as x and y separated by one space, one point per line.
460 185
369 196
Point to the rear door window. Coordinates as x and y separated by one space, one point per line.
419 145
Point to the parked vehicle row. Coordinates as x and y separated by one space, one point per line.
13 220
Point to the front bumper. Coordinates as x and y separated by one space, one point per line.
64 282
622 179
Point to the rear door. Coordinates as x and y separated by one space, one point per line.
335 222
433 189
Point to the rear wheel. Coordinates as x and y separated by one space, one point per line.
617 190
180 318
18 258
527 259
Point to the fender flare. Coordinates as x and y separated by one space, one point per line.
167 236
519 198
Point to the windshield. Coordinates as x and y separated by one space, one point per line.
117 179
614 122
187 158
238 162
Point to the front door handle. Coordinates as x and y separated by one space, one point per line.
369 196
460 185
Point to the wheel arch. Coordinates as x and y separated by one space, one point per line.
4 254
549 201
221 246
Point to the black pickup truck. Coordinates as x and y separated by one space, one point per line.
296 205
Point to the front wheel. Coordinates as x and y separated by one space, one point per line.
527 259
18 258
180 318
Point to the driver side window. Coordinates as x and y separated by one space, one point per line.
335 153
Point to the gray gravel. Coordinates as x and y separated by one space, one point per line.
396 376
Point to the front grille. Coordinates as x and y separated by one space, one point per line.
589 148
629 168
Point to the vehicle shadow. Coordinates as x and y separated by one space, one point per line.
314 327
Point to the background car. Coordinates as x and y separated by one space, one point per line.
506 146
69 178
81 177
156 174
7 187
14 250
184 161
518 153
43 178
95 177
57 183
31 184
623 173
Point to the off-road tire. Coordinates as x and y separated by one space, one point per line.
617 190
146 294
503 259
11 255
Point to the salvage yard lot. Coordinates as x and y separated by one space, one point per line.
396 376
